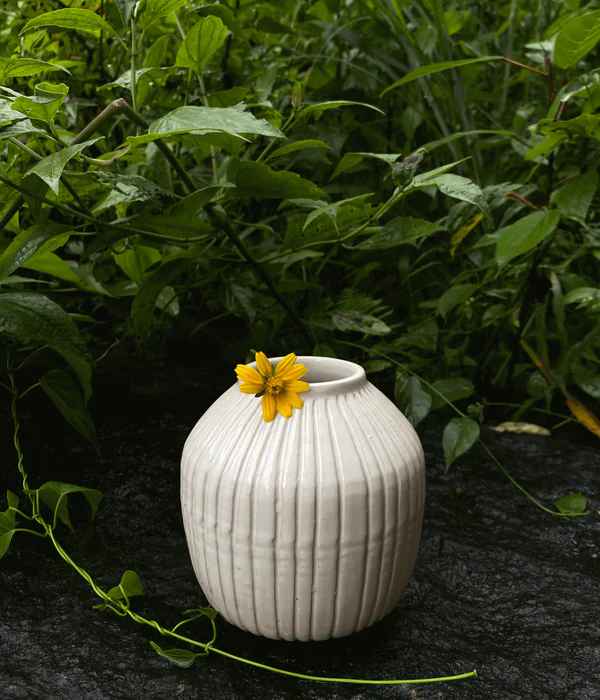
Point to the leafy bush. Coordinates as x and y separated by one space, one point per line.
373 179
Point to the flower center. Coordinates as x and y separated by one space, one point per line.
273 385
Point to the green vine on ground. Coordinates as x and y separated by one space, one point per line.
117 599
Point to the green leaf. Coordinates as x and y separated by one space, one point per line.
525 234
70 18
27 243
459 436
199 121
32 318
316 110
403 230
294 146
134 261
203 40
180 657
359 323
254 179
142 309
55 495
129 586
573 199
576 38
44 104
453 297
155 9
432 68
51 264
50 168
454 389
413 400
25 67
5 538
584 296
65 394
457 187
571 503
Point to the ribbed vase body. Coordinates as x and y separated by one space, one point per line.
305 528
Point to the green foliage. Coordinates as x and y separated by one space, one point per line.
416 176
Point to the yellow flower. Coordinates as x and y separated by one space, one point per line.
278 388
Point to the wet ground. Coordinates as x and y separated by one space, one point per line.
499 586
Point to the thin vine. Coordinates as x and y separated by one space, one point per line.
117 600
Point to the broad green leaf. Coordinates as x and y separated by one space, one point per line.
571 503
27 243
50 168
359 322
412 399
584 296
12 499
203 40
129 586
525 234
26 67
453 297
573 199
134 261
44 104
142 309
180 657
459 436
254 179
156 9
426 179
34 319
454 389
457 187
432 68
6 536
70 18
351 160
403 230
55 495
201 121
65 394
316 110
51 264
294 146
576 38
587 379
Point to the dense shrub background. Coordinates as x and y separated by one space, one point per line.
408 184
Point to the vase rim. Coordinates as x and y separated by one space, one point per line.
327 375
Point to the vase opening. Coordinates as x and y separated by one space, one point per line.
328 374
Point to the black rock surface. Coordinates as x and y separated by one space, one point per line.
499 586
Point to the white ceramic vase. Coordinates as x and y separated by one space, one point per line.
304 528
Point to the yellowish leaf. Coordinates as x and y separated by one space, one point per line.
459 236
584 416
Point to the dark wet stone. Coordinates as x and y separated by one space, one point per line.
499 586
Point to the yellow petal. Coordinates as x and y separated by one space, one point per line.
285 364
248 374
295 400
251 388
269 407
297 386
263 364
284 405
292 373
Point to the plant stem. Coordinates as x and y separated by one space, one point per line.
132 65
